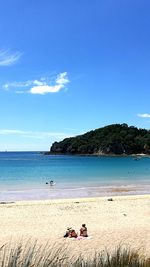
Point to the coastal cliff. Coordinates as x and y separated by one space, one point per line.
117 139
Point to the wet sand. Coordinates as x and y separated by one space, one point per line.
76 191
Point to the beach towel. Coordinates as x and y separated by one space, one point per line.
81 238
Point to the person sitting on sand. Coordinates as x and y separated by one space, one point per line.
83 230
68 231
73 234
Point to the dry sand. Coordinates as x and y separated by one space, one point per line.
124 220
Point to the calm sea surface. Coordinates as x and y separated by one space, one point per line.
23 175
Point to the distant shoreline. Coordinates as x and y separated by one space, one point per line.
96 154
72 154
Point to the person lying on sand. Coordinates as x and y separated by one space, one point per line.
83 230
73 234
68 231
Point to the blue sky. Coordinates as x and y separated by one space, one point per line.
70 66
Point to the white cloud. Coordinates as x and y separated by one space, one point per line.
6 131
62 78
145 115
39 83
25 84
41 90
34 134
60 82
7 58
24 140
40 86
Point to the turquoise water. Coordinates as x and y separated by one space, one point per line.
23 172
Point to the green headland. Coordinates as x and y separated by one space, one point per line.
115 139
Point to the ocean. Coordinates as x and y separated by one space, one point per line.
24 176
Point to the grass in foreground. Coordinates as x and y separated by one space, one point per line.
31 255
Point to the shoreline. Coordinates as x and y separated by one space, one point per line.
81 191
125 220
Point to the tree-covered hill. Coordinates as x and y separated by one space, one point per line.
113 139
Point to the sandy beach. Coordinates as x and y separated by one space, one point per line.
125 220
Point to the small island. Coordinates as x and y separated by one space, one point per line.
115 139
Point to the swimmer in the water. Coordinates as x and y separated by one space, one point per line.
51 182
